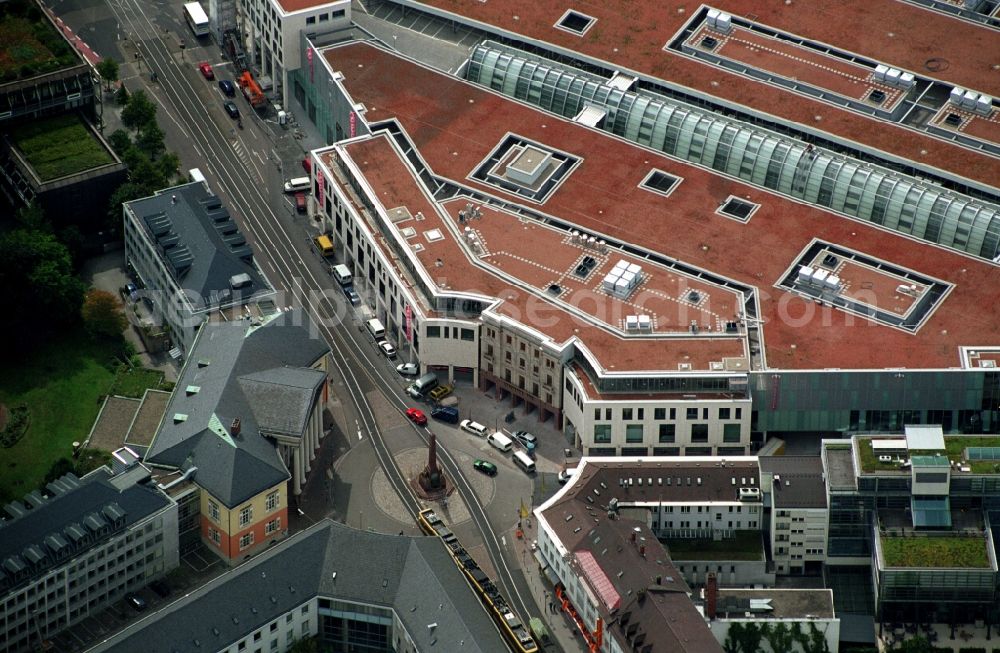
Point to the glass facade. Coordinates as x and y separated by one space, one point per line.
962 401
853 187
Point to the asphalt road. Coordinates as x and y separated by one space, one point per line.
244 167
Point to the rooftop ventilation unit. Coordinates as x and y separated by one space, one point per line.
749 494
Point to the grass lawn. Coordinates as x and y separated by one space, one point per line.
965 552
62 384
135 381
747 545
60 146
955 446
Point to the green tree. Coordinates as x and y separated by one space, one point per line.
120 141
107 68
36 273
915 645
150 139
121 96
102 315
32 217
139 111
125 193
168 165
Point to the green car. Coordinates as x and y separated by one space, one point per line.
485 467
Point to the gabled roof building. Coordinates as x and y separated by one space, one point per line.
345 587
246 417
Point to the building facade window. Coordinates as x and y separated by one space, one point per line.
213 511
273 500
246 541
272 526
246 515
213 535
667 433
699 433
602 433
731 432
633 433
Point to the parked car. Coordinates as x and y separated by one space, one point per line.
408 369
475 428
300 202
416 416
564 475
137 602
387 349
352 295
485 466
440 392
227 87
414 392
206 70
445 414
231 109
131 291
527 440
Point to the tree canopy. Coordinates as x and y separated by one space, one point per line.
139 111
102 315
107 68
36 272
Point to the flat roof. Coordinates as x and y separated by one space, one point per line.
785 604
898 34
455 126
290 6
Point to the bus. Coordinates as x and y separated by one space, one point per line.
196 19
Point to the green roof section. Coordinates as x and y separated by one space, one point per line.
935 552
30 45
60 146
957 449
930 461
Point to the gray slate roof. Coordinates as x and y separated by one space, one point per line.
200 244
95 496
384 570
260 375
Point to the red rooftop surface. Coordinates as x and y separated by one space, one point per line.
892 32
455 125
290 6
528 259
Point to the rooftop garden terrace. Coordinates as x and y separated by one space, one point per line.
943 551
955 446
29 44
60 146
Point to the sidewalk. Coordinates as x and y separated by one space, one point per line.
561 630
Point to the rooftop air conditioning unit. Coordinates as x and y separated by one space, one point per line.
749 493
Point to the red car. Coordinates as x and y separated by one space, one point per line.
206 70
416 415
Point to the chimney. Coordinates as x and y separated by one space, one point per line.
235 430
711 595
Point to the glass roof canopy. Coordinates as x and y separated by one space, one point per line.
840 183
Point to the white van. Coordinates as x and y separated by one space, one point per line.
500 441
475 428
297 185
376 329
522 460
342 274
194 174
